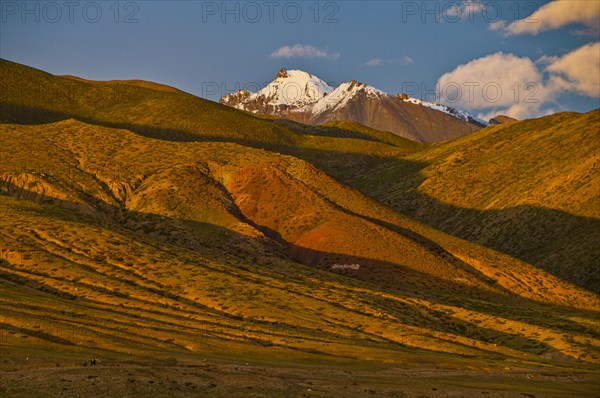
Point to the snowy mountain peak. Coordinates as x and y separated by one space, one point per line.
342 95
295 88
354 87
290 89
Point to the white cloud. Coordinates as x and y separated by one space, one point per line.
375 62
516 86
495 82
546 60
406 60
578 71
497 25
303 51
554 15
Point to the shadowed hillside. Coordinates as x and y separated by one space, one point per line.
529 189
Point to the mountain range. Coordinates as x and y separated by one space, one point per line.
305 98
173 236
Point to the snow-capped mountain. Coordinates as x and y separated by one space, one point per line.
305 98
291 89
340 97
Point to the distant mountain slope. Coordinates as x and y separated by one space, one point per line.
373 108
468 187
302 97
530 189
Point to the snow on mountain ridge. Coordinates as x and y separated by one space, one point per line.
293 88
457 113
339 97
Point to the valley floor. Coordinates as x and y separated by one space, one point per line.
56 372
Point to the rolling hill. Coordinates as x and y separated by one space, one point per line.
199 249
30 96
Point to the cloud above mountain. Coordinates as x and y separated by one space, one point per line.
304 51
519 87
578 71
494 82
406 60
554 15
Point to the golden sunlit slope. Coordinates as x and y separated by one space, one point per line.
127 244
28 95
530 189
141 83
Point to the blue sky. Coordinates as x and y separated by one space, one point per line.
211 48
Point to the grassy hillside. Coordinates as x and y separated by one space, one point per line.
529 189
28 95
350 129
112 227
195 238
31 96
